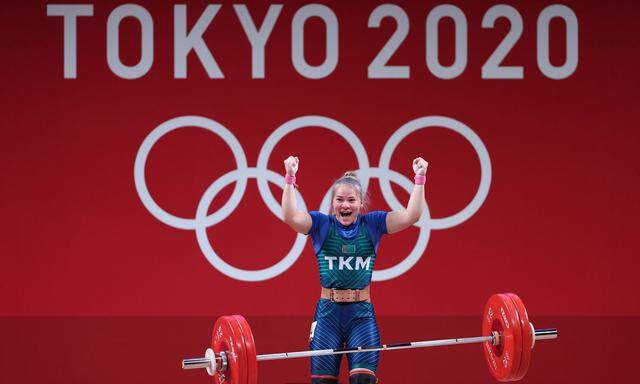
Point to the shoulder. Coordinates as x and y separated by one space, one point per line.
318 216
376 222
375 216
319 221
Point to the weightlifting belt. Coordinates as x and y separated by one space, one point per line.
345 295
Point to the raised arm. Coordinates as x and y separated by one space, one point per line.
300 221
399 220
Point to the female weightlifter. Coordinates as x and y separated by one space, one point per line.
345 243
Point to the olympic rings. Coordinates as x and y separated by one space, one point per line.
262 175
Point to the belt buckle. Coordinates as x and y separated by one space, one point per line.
349 296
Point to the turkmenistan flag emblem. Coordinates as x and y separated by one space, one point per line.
348 248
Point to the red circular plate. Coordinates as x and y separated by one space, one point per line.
527 336
227 337
252 362
241 351
514 317
500 316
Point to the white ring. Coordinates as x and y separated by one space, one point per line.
423 223
141 160
303 122
205 244
467 133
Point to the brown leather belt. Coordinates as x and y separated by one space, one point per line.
346 295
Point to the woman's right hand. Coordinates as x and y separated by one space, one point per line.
291 165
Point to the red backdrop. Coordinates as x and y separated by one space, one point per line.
557 224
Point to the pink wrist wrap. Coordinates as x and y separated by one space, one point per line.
290 179
420 179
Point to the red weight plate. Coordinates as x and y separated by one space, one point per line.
252 362
227 337
514 318
500 316
492 322
242 351
527 336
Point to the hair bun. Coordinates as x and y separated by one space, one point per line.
350 174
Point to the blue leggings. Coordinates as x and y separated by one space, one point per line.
343 325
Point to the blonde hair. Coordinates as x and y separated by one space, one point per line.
350 179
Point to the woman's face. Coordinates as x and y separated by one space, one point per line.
346 204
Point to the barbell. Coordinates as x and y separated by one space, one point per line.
508 338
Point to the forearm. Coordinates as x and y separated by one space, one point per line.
416 203
399 220
289 205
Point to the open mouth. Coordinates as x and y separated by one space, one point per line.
345 214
